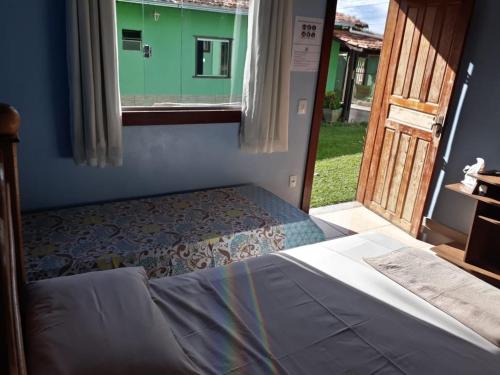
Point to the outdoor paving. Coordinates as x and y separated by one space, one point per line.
350 218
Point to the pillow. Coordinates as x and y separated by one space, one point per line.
100 323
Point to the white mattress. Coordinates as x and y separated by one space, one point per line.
343 259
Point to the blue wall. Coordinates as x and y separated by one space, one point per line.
174 158
472 127
158 159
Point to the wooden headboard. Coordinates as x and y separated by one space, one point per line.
12 272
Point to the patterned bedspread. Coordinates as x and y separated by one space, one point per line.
167 235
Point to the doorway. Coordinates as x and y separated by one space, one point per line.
421 51
354 57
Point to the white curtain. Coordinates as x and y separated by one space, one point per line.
93 80
266 81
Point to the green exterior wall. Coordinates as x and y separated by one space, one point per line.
168 73
332 70
371 70
341 72
338 66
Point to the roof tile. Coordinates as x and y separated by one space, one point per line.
345 19
224 4
359 40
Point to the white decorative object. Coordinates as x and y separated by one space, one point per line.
483 189
469 170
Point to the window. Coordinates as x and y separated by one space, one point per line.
207 46
199 50
131 40
359 77
213 58
366 71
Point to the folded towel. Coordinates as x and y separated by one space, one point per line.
461 295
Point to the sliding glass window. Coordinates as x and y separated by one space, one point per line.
177 54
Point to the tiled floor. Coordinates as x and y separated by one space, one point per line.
350 218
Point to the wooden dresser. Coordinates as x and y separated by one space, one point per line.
481 254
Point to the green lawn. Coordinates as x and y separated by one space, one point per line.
337 165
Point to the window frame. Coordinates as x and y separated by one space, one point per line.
145 116
217 114
196 56
129 39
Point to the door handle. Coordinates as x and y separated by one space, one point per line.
437 127
147 50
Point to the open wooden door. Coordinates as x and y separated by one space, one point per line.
422 49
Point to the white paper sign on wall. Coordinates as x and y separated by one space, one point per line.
307 39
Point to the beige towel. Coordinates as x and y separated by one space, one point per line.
461 295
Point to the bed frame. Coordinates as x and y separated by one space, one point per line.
12 272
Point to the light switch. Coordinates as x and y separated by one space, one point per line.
302 107
292 182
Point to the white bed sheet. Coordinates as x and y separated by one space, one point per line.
343 259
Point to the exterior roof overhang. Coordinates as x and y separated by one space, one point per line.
192 6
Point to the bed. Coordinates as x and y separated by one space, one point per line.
167 235
315 309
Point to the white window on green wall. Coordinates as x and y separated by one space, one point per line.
131 40
182 54
213 57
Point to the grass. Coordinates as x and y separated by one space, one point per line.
337 164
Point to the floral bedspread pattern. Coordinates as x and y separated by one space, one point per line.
167 235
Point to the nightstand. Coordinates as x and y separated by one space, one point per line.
481 254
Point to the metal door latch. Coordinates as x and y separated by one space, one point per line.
437 127
148 51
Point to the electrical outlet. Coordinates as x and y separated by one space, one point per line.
302 110
293 182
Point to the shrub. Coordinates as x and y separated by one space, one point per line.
332 101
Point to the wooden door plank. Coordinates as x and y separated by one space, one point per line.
413 104
443 54
382 172
456 54
410 162
414 132
417 33
404 57
390 168
397 177
411 118
378 97
423 53
431 58
379 128
420 200
415 178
